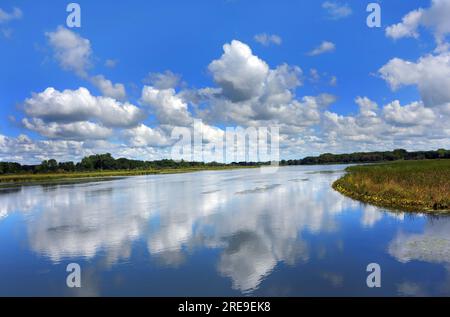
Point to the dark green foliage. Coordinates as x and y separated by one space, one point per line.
10 168
370 157
105 162
66 166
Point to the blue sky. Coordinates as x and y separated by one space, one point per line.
128 40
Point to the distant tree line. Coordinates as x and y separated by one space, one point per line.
105 162
369 157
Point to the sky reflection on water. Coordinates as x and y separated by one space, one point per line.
216 233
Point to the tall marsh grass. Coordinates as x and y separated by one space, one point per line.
412 185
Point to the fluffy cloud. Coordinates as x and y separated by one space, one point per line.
367 107
303 113
247 93
111 63
409 115
394 126
143 136
70 106
434 18
164 80
68 131
108 89
268 39
252 94
71 50
362 128
169 108
23 149
6 17
239 73
408 26
337 10
324 47
431 75
74 53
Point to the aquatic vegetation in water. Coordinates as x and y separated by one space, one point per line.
41 178
211 192
323 172
410 185
299 180
258 190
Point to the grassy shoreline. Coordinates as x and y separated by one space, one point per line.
422 186
26 179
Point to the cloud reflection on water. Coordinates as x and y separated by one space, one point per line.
254 231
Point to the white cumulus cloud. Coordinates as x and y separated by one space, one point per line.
6 17
431 75
409 115
435 18
165 80
73 52
324 47
169 108
142 136
108 89
336 10
238 72
268 39
80 130
70 106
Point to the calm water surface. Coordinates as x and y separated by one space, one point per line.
226 233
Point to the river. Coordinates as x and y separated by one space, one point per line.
216 233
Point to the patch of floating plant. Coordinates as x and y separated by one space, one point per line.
211 192
99 192
61 182
258 190
324 172
299 180
70 228
259 182
232 179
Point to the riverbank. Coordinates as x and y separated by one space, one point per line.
422 186
24 179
